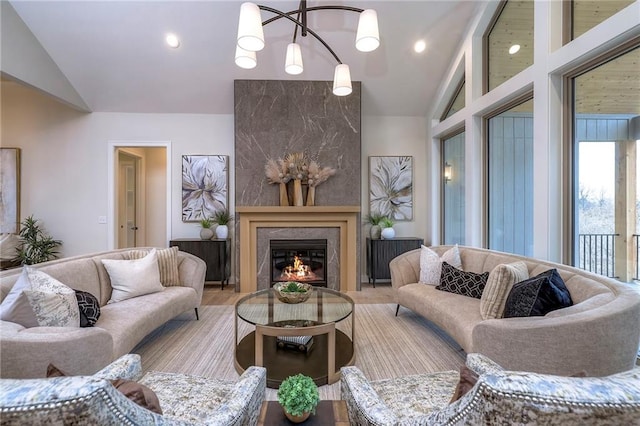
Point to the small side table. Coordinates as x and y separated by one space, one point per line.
213 252
381 252
327 413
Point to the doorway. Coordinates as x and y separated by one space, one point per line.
139 194
128 202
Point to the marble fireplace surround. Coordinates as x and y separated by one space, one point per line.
251 219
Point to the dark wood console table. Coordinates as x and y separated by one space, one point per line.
381 252
213 252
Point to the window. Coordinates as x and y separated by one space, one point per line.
453 203
509 43
587 14
456 103
606 99
510 180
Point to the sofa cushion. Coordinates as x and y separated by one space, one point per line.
457 281
431 263
37 299
89 308
537 296
132 278
499 285
167 264
16 307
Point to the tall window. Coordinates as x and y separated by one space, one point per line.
606 100
510 180
586 14
453 204
456 103
509 42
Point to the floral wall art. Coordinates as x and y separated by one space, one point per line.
391 187
9 190
204 186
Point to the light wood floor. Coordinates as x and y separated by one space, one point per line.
214 295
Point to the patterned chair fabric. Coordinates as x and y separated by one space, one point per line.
92 400
499 397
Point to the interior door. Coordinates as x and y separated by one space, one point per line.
127 199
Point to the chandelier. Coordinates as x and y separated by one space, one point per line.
251 38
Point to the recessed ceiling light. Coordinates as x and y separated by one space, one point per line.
419 46
514 49
172 40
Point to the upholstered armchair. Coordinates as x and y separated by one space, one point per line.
498 397
93 400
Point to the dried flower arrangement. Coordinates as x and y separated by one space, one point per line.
297 167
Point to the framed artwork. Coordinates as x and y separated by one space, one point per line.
391 187
9 190
205 187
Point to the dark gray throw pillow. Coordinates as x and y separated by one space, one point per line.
89 308
457 281
537 296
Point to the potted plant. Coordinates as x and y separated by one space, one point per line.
35 245
206 233
386 223
222 218
374 220
299 397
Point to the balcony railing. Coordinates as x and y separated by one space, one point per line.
597 253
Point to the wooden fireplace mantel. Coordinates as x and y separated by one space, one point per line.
250 218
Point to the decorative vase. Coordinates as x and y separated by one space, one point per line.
284 197
374 232
388 233
297 193
311 196
296 419
222 232
206 233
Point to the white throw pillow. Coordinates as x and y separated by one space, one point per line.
499 285
16 307
50 302
431 263
132 278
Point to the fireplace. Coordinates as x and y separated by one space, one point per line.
302 260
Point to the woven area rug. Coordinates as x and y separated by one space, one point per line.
385 345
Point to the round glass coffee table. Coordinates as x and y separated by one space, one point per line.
280 340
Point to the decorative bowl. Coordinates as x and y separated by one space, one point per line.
292 296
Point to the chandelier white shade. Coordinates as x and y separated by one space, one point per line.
250 33
245 58
368 37
293 61
342 80
251 38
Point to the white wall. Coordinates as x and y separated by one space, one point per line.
398 136
64 160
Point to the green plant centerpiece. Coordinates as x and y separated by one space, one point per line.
299 397
293 291
36 246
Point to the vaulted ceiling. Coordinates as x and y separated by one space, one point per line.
114 54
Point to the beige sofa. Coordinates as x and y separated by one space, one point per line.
26 352
599 334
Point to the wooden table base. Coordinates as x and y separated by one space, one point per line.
327 413
282 363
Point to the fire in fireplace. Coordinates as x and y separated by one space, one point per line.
299 260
